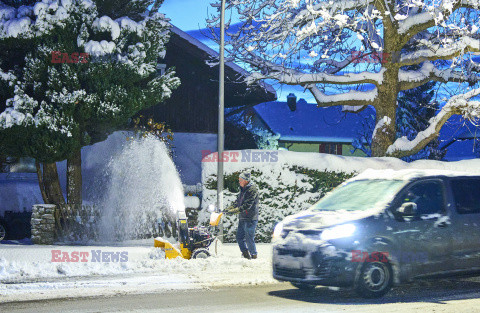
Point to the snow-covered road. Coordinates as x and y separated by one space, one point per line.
28 273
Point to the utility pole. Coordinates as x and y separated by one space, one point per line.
221 116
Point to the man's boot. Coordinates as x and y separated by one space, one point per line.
246 255
254 256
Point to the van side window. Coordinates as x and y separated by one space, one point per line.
428 196
466 193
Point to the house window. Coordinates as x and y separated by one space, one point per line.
330 148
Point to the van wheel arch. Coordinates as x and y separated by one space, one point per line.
374 279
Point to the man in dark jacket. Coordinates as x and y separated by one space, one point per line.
247 208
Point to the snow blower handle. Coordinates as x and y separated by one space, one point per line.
215 218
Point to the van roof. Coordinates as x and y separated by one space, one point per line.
408 174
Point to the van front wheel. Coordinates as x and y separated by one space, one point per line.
375 280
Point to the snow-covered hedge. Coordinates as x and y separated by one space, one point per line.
290 182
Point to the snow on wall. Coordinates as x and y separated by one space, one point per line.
329 162
286 190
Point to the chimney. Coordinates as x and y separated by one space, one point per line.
292 102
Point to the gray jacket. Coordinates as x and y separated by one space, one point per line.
247 202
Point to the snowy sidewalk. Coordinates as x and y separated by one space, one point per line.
28 273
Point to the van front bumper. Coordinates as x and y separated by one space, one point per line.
323 266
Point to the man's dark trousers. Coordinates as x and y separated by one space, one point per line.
246 236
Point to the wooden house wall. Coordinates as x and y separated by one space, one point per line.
193 107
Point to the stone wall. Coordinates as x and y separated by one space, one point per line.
43 224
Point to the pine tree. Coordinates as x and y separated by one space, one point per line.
58 100
415 108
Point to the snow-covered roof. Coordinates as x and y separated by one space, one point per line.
194 41
311 124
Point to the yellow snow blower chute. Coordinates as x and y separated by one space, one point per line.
194 242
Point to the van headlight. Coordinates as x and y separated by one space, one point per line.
277 231
336 232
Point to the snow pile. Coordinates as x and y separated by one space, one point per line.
290 182
145 270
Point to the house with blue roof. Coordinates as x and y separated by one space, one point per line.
304 127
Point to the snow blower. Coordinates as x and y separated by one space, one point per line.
193 243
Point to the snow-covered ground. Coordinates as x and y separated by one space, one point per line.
28 273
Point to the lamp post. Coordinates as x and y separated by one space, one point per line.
221 106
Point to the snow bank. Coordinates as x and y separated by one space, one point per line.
146 270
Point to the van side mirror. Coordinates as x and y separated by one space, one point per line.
407 209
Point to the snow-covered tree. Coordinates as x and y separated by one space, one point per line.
357 53
70 76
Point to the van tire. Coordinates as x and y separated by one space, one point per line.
305 287
375 280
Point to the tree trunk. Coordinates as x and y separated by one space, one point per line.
385 123
51 184
385 131
74 178
41 185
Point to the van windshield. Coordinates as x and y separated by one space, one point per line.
360 195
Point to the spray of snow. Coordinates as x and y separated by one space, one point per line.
144 186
